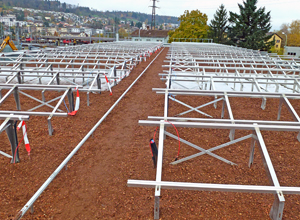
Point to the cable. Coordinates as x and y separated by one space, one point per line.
155 133
177 136
19 144
178 140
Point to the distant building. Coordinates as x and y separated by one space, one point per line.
278 40
8 20
293 51
88 31
99 31
74 30
150 35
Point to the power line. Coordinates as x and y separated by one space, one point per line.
153 14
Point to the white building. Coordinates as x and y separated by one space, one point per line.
150 35
8 20
75 30
88 31
99 31
294 51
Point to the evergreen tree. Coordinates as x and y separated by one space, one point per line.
249 28
218 25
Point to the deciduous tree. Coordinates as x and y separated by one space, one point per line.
192 25
294 34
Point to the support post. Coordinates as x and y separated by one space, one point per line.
252 147
11 132
19 78
125 67
21 73
115 75
50 128
17 98
156 207
99 82
277 208
57 79
71 100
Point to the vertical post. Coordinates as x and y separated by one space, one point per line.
19 78
50 128
124 68
252 147
156 207
115 75
71 100
21 73
223 109
17 98
99 82
82 69
57 79
11 132
88 99
280 107
277 208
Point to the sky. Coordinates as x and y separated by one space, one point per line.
282 11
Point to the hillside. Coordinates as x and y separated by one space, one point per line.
84 11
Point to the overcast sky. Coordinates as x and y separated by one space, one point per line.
282 11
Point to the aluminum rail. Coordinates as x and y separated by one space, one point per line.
230 59
62 63
232 81
11 116
228 121
18 113
223 64
221 125
229 93
229 68
43 87
214 187
210 74
64 71
2 86
63 164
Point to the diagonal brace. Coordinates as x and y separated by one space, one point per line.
192 108
209 151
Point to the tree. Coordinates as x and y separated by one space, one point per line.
249 28
139 24
20 16
218 25
192 25
123 33
284 28
46 23
294 33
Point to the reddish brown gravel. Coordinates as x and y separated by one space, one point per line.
95 184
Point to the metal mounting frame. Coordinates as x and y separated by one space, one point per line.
206 64
85 66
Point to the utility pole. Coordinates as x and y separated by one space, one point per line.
153 14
